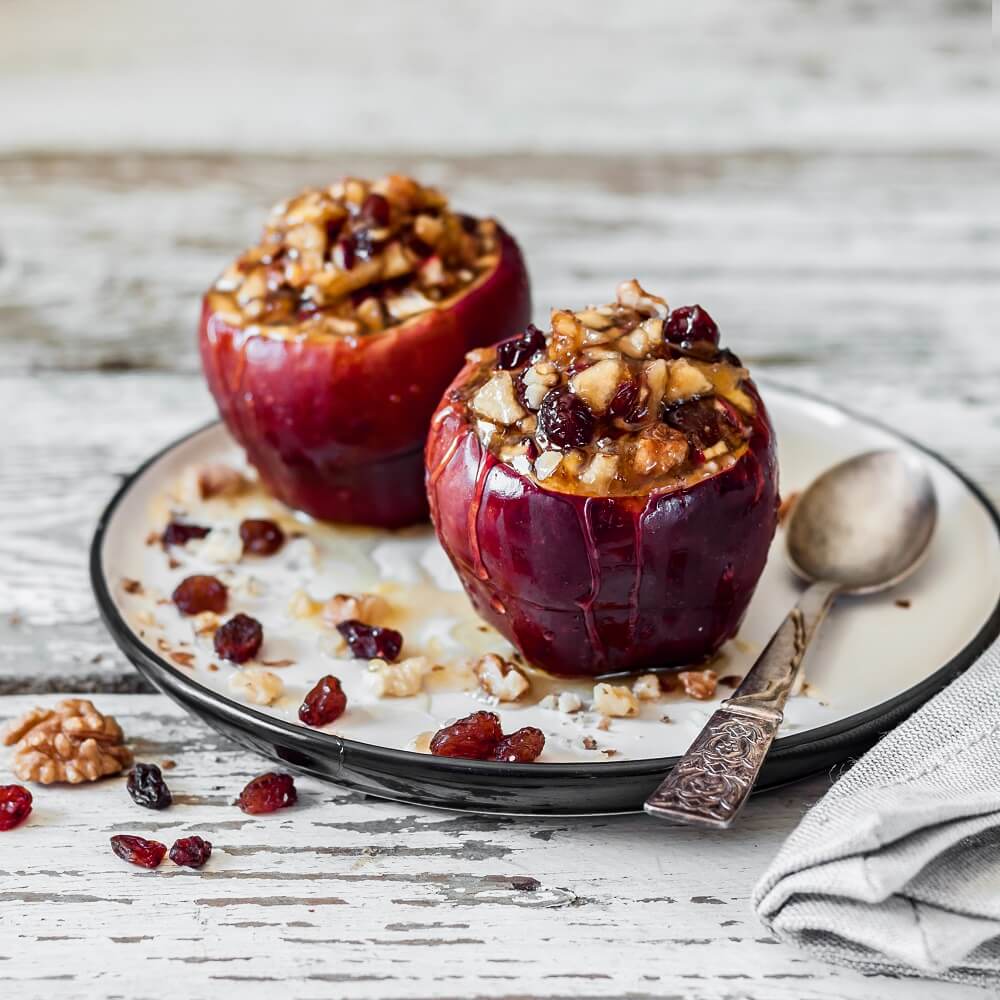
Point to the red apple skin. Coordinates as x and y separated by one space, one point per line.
593 585
336 426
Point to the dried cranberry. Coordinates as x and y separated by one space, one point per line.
625 402
565 419
520 747
138 850
699 419
343 253
375 208
324 703
475 737
15 804
146 786
469 223
513 353
690 323
191 852
333 227
239 639
261 537
195 594
179 533
418 246
370 641
268 793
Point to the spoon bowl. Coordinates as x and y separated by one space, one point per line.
864 524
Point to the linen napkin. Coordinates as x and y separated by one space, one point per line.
897 869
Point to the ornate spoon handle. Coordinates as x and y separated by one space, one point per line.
710 783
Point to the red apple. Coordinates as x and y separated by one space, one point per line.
335 424
593 584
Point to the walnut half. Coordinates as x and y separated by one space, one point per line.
71 743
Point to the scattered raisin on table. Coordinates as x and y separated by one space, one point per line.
138 850
475 737
15 805
369 642
324 703
261 537
148 789
192 852
268 793
520 747
180 533
196 594
239 639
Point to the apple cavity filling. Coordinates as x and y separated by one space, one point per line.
355 258
614 400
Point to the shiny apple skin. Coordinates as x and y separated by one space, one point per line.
336 426
592 585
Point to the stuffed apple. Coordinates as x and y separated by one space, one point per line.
328 344
607 490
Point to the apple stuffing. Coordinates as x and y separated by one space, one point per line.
328 343
607 489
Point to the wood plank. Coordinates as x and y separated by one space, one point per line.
353 897
560 76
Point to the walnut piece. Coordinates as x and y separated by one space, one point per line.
497 401
615 700
367 608
500 678
258 687
398 680
71 743
647 687
203 482
700 684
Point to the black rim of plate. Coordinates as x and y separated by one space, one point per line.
525 789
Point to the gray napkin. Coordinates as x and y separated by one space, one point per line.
897 868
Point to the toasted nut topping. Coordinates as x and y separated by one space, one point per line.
259 687
302 606
633 295
615 700
686 381
500 678
398 680
647 687
598 384
221 545
700 684
367 608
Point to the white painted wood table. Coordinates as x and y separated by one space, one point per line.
823 178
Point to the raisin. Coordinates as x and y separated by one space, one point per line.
15 804
191 852
475 737
370 641
138 850
324 703
514 352
239 639
690 323
565 420
375 209
148 789
343 253
267 793
698 419
625 402
520 747
261 537
179 533
195 594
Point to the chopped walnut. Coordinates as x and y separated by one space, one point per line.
685 381
500 678
700 684
658 450
647 687
71 743
398 680
634 296
205 622
597 385
367 608
204 482
301 606
537 380
259 687
615 700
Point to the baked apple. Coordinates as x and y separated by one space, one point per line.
328 344
608 490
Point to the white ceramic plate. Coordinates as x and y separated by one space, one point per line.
875 660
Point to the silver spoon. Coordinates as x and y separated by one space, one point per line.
861 527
